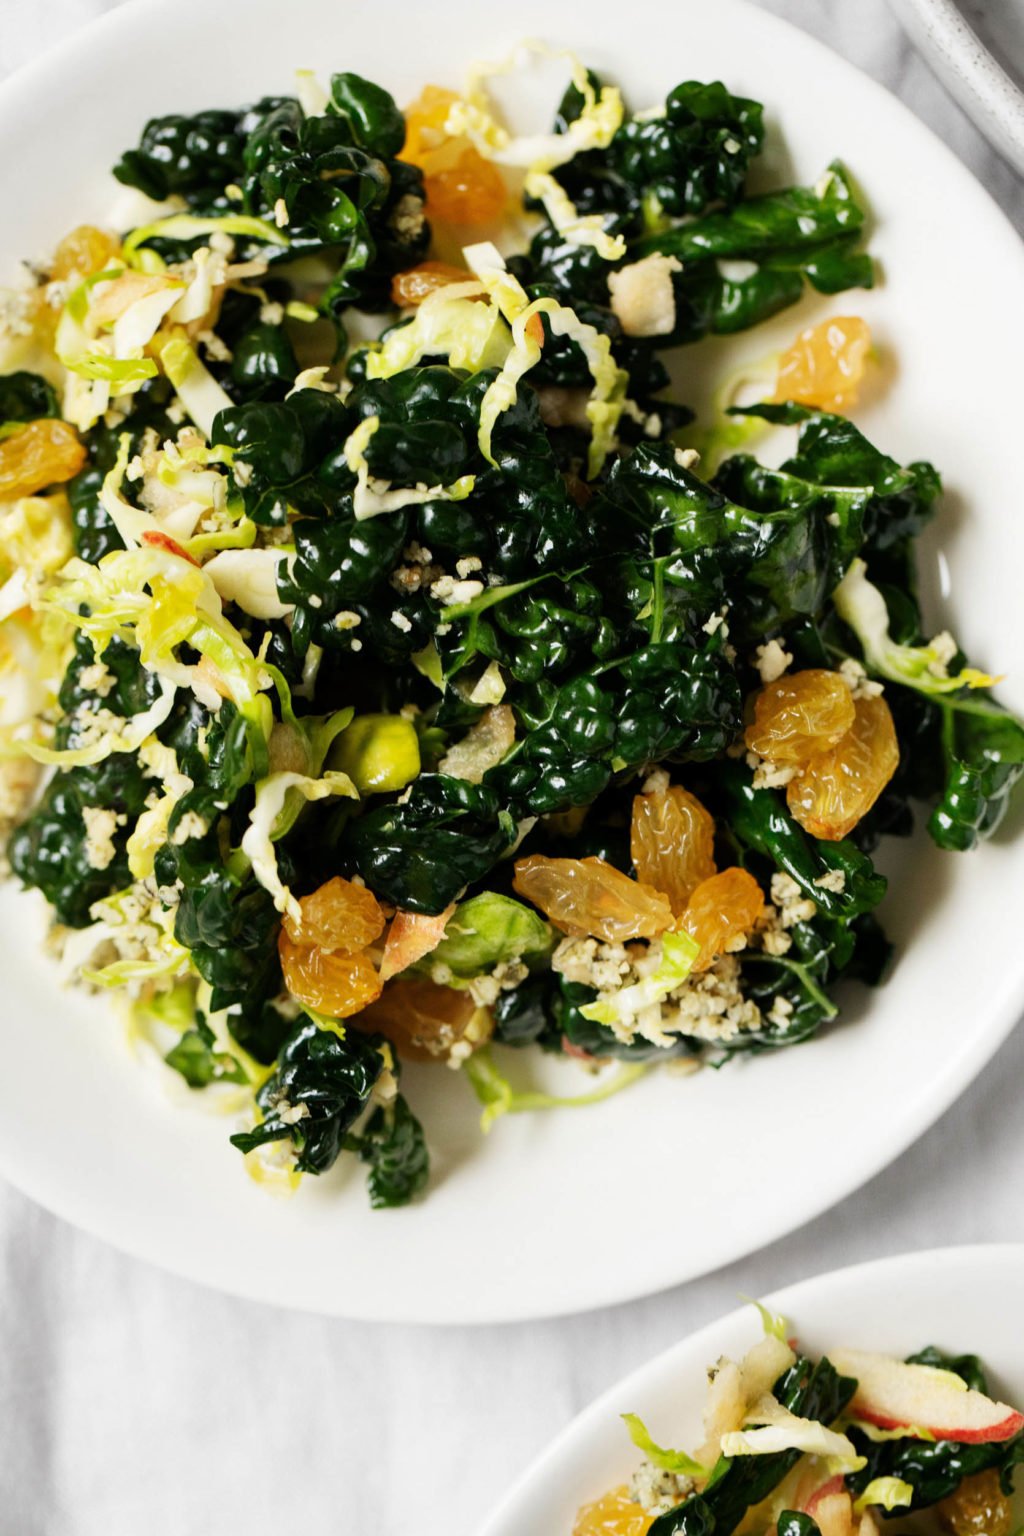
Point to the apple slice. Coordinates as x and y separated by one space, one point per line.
895 1395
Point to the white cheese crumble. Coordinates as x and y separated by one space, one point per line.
832 880
281 213
100 826
642 297
771 661
656 1491
793 905
856 679
400 621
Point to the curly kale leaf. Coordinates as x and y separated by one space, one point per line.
808 1390
831 451
421 852
693 157
771 544
394 1146
794 1523
933 1468
50 850
665 702
760 822
198 1060
26 396
335 173
329 1081
983 751
740 265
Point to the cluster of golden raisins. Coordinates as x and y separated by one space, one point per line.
461 186
677 885
329 963
843 749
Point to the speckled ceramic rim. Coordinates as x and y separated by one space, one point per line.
968 69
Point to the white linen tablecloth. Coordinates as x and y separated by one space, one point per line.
132 1402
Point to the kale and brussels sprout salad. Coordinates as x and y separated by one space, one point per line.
394 670
835 1446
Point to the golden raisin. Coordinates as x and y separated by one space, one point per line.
42 453
591 896
410 288
471 191
840 786
335 984
825 364
424 124
424 1022
721 909
83 252
614 1514
799 715
672 841
340 917
979 1507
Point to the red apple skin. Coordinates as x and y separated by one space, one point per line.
1004 1430
834 1485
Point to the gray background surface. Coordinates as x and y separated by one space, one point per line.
131 1402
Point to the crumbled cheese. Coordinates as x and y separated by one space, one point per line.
400 621
271 313
656 782
408 217
794 907
450 592
97 678
592 963
564 406
732 146
347 619
642 297
289 1114
686 458
769 934
281 213
656 1491
856 679
100 826
467 565
833 880
355 645
943 648
768 775
214 346
717 622
506 976
771 661
191 825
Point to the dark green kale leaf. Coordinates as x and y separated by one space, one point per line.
983 751
25 397
666 702
50 849
793 1523
336 173
200 1063
330 1079
760 822
420 853
394 1146
933 1468
761 537
808 1390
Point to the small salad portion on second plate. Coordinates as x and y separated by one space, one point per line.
833 1446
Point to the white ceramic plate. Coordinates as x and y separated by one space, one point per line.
976 47
545 1216
965 1300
